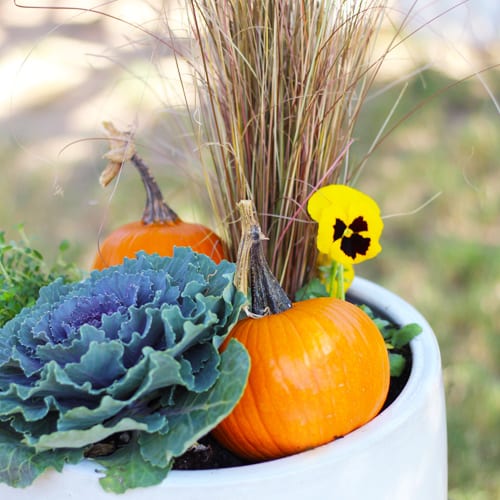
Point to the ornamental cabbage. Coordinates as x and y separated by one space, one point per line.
130 350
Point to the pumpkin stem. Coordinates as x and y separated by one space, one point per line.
156 210
252 269
122 149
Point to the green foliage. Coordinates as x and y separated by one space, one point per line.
23 271
20 465
396 337
313 289
132 349
147 460
126 468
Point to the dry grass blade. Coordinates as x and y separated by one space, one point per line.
282 83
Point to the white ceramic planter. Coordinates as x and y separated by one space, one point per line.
401 454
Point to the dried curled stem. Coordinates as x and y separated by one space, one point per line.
253 273
121 150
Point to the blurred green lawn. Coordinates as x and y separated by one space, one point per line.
445 258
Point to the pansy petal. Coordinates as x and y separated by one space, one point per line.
325 239
322 199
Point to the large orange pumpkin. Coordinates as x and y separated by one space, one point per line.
160 229
319 368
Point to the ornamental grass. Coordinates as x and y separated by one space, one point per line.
281 85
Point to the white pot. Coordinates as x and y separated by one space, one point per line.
401 454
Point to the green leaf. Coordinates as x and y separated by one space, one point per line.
383 325
397 364
197 414
314 289
402 336
63 246
20 465
126 469
79 438
397 337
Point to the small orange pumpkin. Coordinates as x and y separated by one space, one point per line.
160 229
157 237
319 369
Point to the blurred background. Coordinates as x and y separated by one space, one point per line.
436 175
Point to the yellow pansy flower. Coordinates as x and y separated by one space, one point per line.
349 223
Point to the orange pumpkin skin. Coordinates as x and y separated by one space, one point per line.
319 370
156 237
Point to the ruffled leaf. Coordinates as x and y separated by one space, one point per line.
126 468
80 438
20 465
127 349
194 415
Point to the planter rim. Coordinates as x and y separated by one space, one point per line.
425 363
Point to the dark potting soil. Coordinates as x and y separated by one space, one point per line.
209 454
397 383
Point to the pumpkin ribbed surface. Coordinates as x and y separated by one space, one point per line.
160 238
319 370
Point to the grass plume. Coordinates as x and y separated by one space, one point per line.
281 86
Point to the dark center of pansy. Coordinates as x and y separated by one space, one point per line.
352 243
